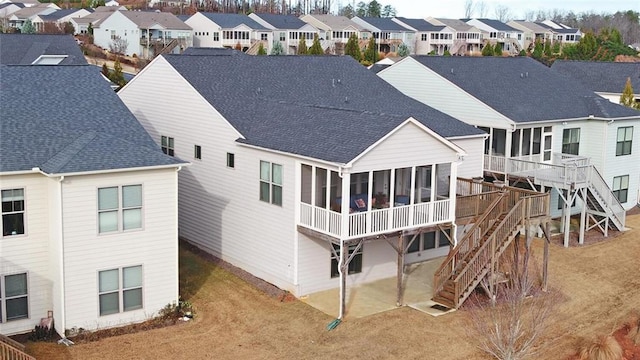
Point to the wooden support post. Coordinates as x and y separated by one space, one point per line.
344 269
583 215
545 259
400 280
567 219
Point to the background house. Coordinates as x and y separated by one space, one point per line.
288 30
466 39
497 32
388 33
229 30
337 29
429 38
537 120
40 49
89 204
144 33
285 175
606 79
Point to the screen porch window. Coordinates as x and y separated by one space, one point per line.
120 290
271 183
119 208
12 212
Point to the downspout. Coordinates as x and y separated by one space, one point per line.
345 226
177 234
62 265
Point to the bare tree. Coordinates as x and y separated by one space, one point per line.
482 9
118 45
469 8
510 329
502 13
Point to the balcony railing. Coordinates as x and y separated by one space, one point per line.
376 221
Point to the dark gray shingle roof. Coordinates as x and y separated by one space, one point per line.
421 24
324 107
523 89
211 51
384 24
58 14
66 119
497 24
24 49
601 76
230 21
282 22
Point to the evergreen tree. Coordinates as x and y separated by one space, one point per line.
352 48
117 76
388 11
497 51
403 50
105 70
487 50
28 28
302 46
626 98
446 52
262 50
361 9
374 9
538 50
347 11
371 52
316 48
277 48
90 29
547 48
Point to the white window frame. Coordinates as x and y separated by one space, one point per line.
167 144
121 289
268 179
627 137
4 298
617 188
13 211
120 209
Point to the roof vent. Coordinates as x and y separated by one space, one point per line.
346 99
452 70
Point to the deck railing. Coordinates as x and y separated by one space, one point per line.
376 221
12 350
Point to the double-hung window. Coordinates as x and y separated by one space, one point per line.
12 212
271 183
120 290
119 208
571 141
14 297
621 188
166 143
624 140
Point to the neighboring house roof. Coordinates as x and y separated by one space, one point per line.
495 24
329 108
59 14
147 19
282 22
230 21
87 129
420 24
566 31
532 26
384 24
523 89
336 23
28 12
20 5
24 49
183 18
601 76
207 51
457 25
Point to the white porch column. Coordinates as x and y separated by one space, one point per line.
344 204
412 193
313 196
392 197
453 178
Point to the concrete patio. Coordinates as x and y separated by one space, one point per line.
378 296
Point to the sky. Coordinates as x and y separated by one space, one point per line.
454 9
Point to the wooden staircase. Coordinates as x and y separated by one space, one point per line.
477 255
12 350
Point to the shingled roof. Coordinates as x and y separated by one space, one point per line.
230 21
24 49
329 108
86 129
601 76
420 24
384 24
523 89
282 22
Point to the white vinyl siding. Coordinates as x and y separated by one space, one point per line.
30 253
420 83
87 252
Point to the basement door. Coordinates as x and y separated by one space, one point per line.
427 246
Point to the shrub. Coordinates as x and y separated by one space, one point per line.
603 348
42 333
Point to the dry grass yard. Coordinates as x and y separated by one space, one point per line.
600 284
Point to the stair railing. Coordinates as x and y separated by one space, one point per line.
605 193
489 252
12 350
470 240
